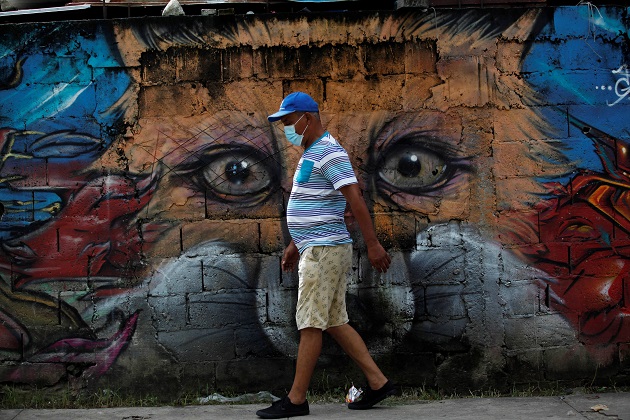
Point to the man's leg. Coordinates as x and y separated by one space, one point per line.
308 352
354 346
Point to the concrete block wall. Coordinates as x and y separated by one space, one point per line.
144 194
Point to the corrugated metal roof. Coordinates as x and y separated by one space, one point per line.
69 8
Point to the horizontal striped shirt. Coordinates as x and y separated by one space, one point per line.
316 206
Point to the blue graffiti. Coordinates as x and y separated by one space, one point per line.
57 108
577 78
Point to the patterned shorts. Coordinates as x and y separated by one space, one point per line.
324 272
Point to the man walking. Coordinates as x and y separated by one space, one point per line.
322 185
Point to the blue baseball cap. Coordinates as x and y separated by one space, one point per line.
296 101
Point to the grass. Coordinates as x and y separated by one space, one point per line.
40 398
14 397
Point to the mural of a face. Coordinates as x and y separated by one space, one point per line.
145 197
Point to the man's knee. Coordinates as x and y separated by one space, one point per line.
337 330
310 331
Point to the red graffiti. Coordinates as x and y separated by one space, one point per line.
94 235
585 245
90 236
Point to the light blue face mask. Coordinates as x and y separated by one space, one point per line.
293 137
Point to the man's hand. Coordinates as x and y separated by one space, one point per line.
379 258
377 255
290 257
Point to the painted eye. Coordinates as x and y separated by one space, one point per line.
236 174
408 166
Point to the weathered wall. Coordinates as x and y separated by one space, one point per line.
144 193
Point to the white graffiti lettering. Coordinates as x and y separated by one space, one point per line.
622 86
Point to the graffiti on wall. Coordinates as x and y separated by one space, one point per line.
622 85
583 219
144 189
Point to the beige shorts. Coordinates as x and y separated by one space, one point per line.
324 272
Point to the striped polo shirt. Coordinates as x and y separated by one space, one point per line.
316 206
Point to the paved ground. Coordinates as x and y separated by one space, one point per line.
607 406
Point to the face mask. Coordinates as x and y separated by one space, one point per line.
293 137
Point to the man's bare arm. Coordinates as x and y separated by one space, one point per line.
377 255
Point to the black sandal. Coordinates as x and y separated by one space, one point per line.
284 408
371 397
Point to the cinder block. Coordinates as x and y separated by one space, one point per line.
260 68
236 234
185 99
427 266
521 298
216 310
525 124
476 133
280 62
554 331
158 67
346 63
9 355
516 267
169 313
518 228
369 95
250 95
444 336
545 84
445 235
517 193
288 279
253 342
314 62
404 228
511 161
238 63
272 236
281 304
508 58
176 276
207 344
458 72
284 337
236 271
588 224
565 25
600 117
418 90
420 57
384 58
601 57
199 64
596 265
180 64
445 302
521 333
